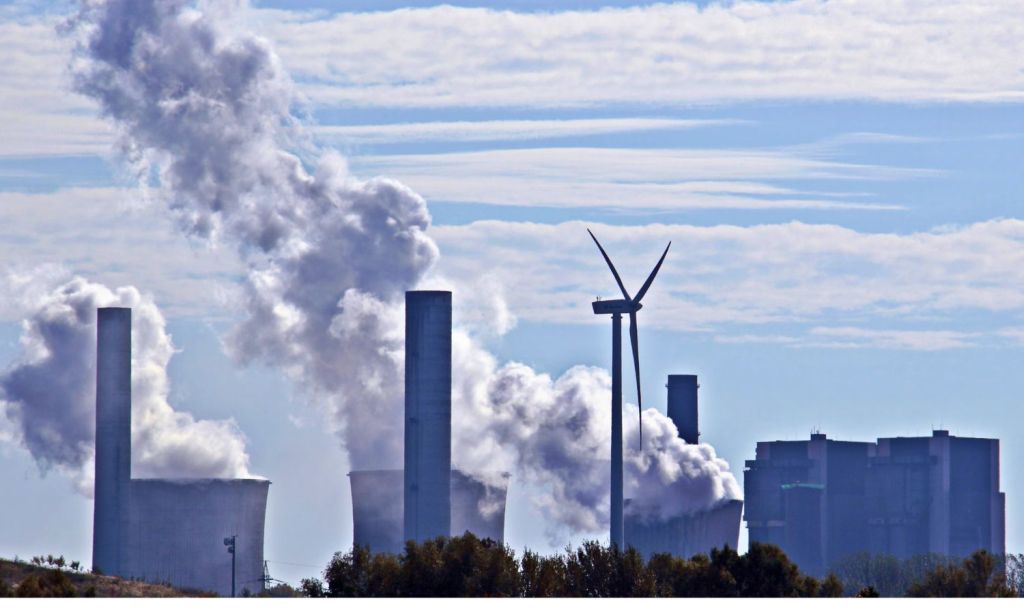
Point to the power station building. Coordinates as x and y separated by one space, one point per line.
822 500
684 535
427 498
164 531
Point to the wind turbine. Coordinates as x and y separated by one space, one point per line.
616 308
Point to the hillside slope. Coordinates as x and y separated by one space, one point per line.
21 579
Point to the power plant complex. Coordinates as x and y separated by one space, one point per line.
820 500
165 531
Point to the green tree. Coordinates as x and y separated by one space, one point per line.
465 566
632 577
1014 569
888 575
420 569
831 587
385 576
766 571
588 570
347 574
542 576
977 576
312 587
282 589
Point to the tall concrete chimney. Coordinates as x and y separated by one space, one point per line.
113 435
682 406
428 414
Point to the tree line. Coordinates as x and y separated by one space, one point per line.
469 567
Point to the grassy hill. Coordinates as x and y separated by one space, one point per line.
21 579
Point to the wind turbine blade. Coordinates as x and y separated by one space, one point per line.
650 278
635 342
611 266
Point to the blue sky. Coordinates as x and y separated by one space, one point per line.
842 187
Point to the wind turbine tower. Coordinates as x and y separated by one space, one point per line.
616 308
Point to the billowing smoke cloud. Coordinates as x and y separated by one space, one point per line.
205 106
557 433
48 396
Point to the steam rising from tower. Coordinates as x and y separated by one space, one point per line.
49 394
206 105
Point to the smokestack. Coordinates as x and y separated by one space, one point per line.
682 406
428 414
113 434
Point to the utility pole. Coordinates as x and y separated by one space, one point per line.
230 543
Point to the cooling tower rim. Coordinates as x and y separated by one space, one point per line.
188 481
437 293
374 471
504 474
717 506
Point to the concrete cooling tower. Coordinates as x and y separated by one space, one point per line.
160 531
687 534
176 529
378 510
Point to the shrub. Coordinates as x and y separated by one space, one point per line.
312 587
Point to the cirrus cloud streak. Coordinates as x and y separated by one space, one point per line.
823 280
908 51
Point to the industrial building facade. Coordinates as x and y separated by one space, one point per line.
164 531
822 500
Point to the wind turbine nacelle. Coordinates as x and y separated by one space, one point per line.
616 306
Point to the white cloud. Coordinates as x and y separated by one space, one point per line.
503 130
855 337
39 114
745 339
629 178
789 284
109 235
755 284
48 394
914 50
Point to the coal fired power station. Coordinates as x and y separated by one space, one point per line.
165 531
427 498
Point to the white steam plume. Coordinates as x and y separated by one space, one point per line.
206 104
48 395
